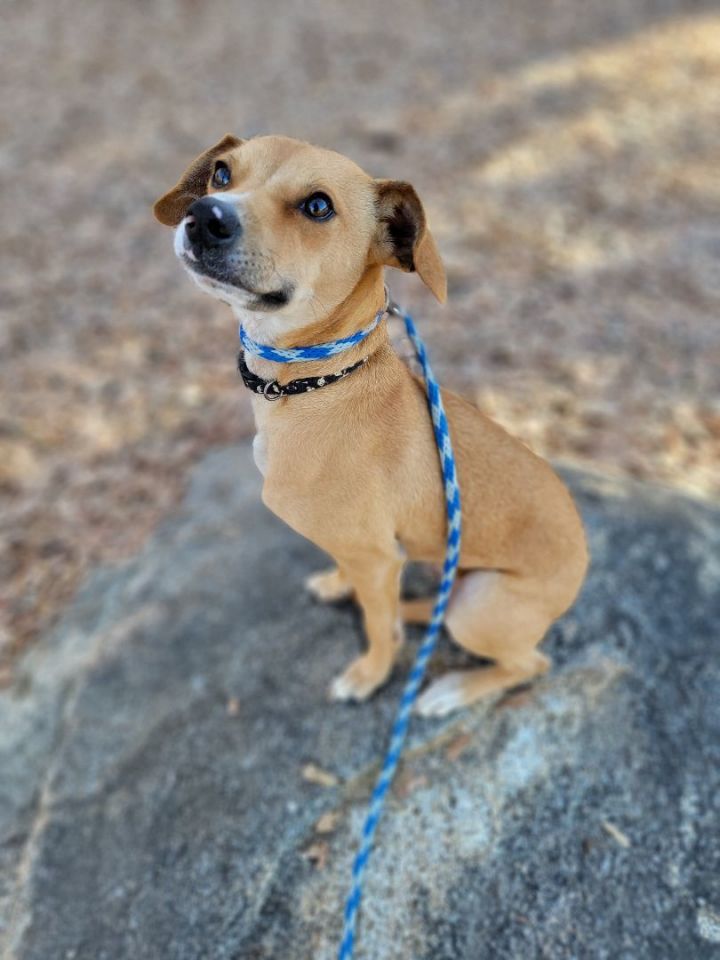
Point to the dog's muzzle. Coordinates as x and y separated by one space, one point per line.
211 224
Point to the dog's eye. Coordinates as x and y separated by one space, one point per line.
318 206
222 176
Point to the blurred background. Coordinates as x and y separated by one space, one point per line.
568 156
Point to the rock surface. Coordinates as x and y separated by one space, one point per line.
155 799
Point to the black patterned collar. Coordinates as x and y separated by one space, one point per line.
272 390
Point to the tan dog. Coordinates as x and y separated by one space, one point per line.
295 238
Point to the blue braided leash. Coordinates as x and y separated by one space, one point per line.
427 647
452 557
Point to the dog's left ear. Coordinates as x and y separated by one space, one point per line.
404 239
170 208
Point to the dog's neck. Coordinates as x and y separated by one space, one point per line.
355 312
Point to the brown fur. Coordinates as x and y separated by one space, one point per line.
354 467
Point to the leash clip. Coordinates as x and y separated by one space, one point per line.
272 390
390 305
393 309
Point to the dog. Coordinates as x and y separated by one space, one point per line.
296 238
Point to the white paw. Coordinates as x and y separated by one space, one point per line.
357 682
328 587
442 696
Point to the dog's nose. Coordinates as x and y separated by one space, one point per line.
211 223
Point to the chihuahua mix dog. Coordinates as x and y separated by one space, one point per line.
295 239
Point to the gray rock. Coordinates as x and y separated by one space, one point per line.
152 802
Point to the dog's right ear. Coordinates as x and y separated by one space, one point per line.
170 208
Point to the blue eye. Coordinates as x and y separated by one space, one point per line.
221 176
318 206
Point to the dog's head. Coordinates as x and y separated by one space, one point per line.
276 226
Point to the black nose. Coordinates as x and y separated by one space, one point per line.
211 223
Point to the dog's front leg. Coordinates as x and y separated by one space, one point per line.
375 579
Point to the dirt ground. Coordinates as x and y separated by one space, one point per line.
567 153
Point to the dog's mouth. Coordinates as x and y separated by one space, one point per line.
217 276
215 273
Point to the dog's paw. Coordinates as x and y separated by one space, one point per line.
360 679
443 696
328 586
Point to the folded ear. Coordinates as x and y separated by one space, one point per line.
170 209
404 239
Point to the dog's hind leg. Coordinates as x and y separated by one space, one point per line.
502 617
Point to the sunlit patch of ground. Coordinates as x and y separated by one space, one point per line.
588 259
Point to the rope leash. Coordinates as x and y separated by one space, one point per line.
450 565
427 647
